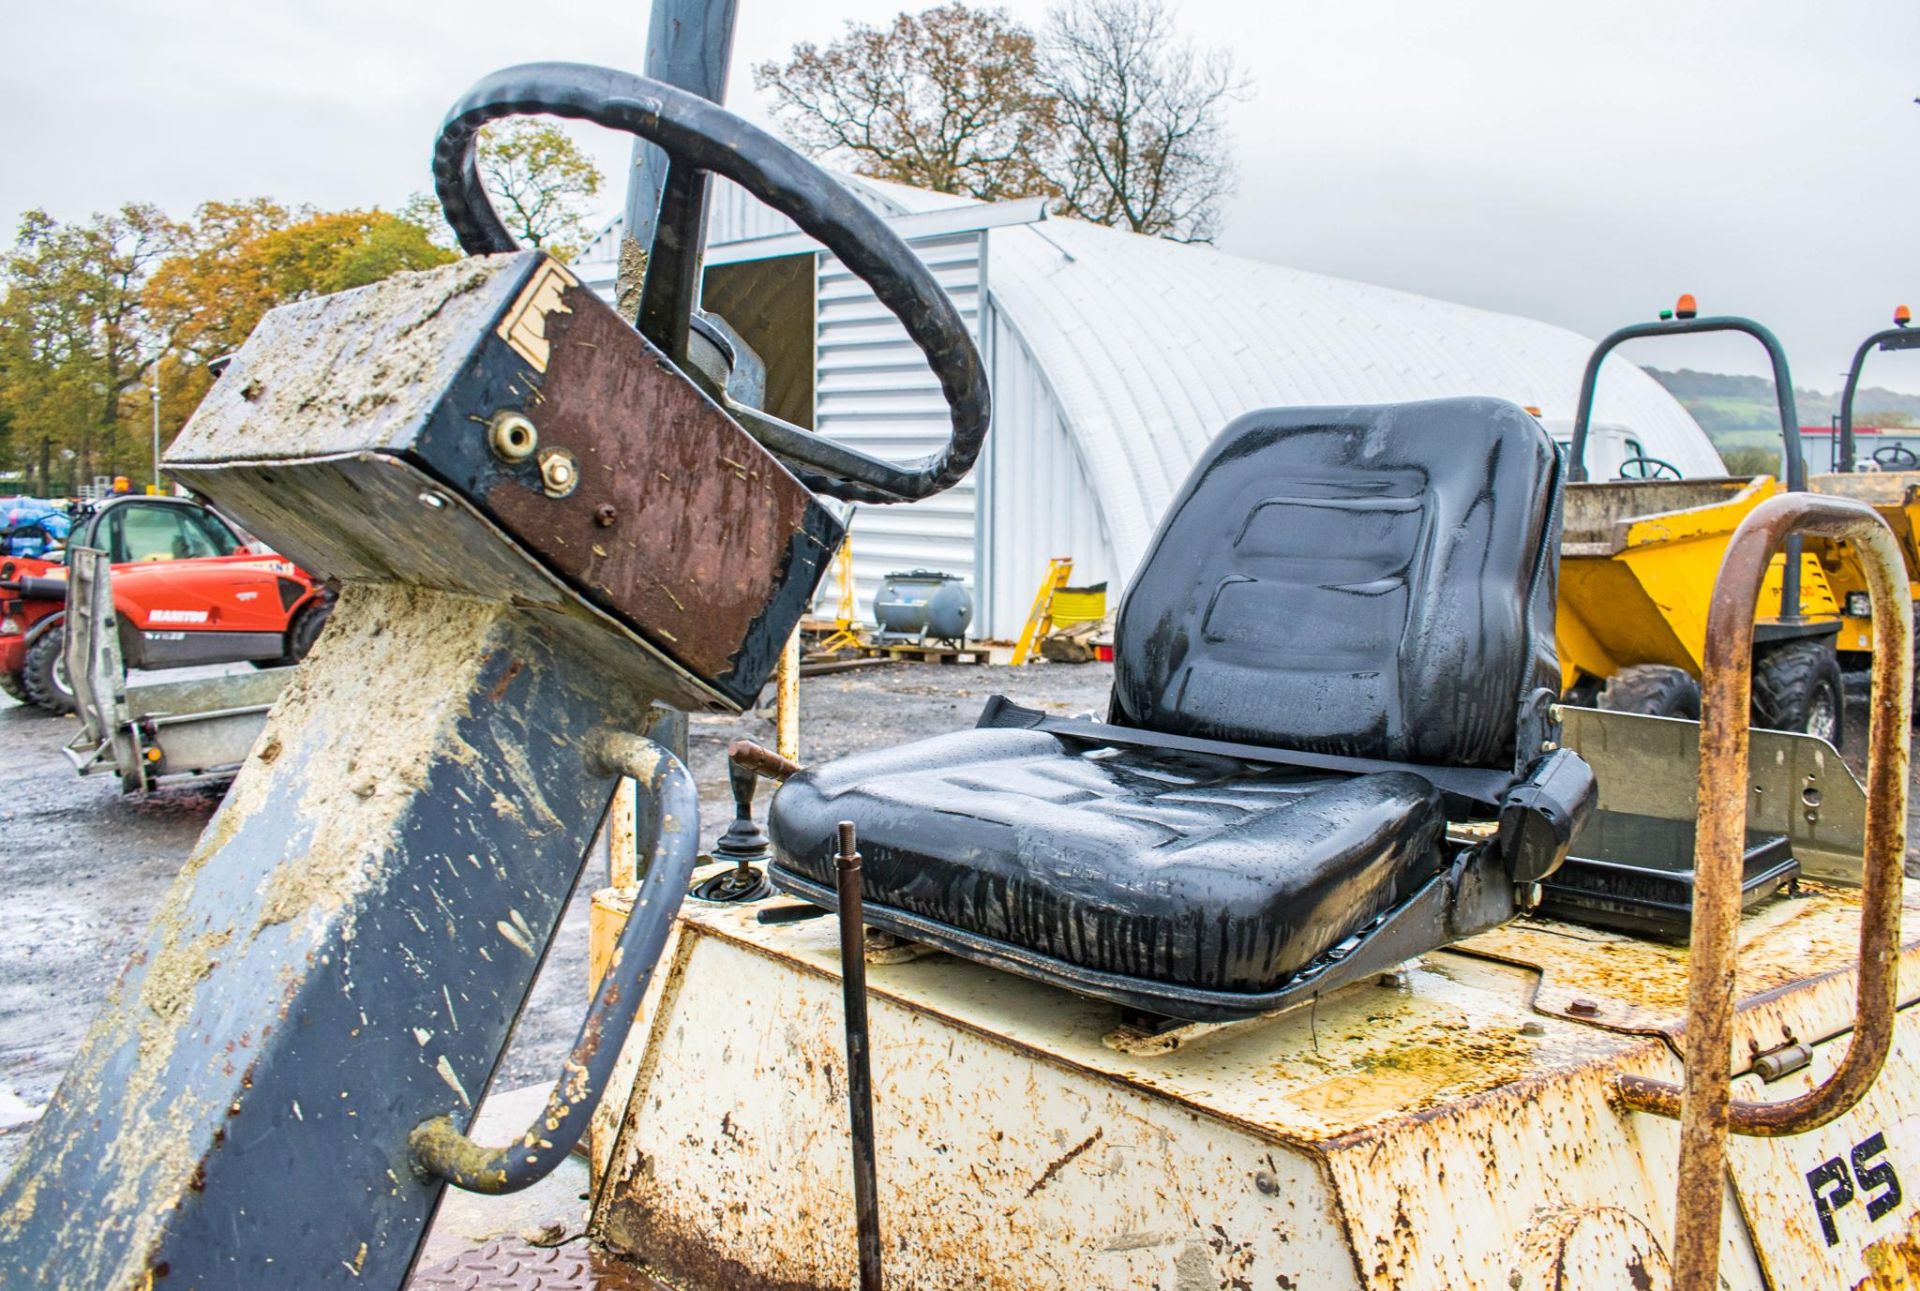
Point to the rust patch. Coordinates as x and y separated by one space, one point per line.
499 688
687 1255
1406 1078
1590 1246
1894 1261
1063 1162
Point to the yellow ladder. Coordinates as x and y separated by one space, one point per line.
1040 618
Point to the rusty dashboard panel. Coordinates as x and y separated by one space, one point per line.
533 445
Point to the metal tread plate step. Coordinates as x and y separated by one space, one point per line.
513 1264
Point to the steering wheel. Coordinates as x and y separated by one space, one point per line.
699 138
1642 467
1896 457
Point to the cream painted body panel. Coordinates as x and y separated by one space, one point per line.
1454 1130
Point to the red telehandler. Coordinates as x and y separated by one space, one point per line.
189 589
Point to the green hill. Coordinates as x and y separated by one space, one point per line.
1740 410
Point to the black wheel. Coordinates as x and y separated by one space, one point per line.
1896 457
1797 687
12 687
1653 689
1585 691
45 676
305 629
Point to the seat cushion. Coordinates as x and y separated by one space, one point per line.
1196 872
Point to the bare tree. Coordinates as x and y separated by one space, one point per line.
949 99
541 183
1144 145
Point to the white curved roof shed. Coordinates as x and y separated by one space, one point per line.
1115 359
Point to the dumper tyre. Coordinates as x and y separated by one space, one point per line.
44 677
13 688
1797 687
1653 689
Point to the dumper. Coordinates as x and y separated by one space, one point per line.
1890 484
1638 561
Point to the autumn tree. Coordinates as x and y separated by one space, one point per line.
236 260
92 312
949 99
1140 110
541 182
74 340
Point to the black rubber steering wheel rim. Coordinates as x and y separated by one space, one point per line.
693 131
1661 469
1896 457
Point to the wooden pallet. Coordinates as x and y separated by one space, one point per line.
980 654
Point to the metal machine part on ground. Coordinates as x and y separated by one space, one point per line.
921 605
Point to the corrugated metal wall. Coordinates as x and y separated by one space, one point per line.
875 392
1038 500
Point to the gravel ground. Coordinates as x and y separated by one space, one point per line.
82 868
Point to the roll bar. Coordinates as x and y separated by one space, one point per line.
1897 337
1795 458
1705 1105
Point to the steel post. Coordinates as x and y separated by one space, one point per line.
689 45
853 979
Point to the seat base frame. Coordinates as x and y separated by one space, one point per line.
1472 895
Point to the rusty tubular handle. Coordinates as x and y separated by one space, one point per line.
439 1147
763 762
1705 1106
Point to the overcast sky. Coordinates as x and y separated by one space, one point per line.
1577 162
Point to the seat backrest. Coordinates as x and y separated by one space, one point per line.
1372 581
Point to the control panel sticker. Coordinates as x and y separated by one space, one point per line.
525 325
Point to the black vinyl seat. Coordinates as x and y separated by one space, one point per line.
1341 636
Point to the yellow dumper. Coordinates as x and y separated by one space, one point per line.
1639 555
1890 484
